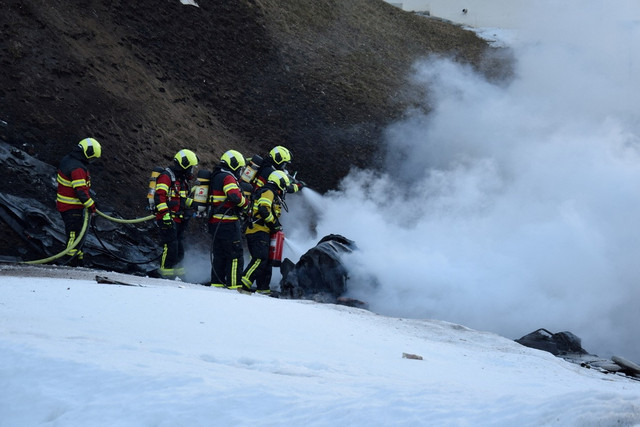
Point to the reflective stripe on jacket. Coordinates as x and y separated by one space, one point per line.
74 182
170 191
226 197
266 210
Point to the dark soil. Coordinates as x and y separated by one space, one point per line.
148 77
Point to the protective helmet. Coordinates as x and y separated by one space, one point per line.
90 148
185 159
280 179
280 155
234 160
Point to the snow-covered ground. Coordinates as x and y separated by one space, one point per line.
525 218
74 352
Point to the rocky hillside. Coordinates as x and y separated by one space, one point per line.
148 77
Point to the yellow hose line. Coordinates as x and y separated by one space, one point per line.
67 250
125 221
84 230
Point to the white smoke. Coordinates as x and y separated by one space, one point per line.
513 206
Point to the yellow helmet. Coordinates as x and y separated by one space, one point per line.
280 155
280 179
186 159
234 160
90 148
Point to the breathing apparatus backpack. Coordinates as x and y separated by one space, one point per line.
251 169
201 192
155 173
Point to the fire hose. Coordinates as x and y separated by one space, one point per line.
69 248
83 232
124 221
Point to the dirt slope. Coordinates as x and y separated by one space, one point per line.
148 77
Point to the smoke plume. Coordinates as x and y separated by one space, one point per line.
509 206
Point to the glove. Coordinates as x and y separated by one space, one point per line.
246 209
167 221
275 227
295 187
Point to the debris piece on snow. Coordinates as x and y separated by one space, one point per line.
411 356
628 367
558 344
568 346
108 281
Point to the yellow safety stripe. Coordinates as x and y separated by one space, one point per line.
68 200
162 207
162 186
230 187
218 199
165 249
167 272
234 274
63 181
78 183
218 285
251 269
88 203
74 252
72 238
223 216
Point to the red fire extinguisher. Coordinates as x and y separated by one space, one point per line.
275 248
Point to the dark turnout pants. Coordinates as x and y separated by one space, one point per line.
171 239
227 262
73 221
259 268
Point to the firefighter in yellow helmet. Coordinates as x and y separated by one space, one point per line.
227 207
278 159
267 208
73 196
172 208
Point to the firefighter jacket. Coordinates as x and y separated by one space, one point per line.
263 174
262 177
266 210
226 198
172 191
74 183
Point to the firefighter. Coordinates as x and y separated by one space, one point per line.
228 208
278 159
74 183
267 207
172 205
